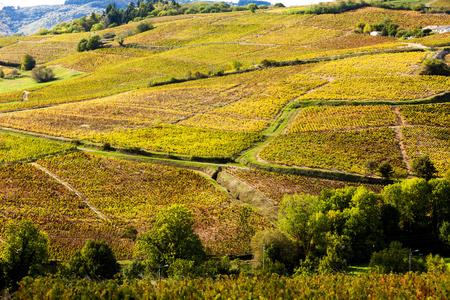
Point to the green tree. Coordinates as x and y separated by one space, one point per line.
252 7
2 74
362 223
95 260
24 250
276 245
386 170
332 263
42 74
278 5
424 168
412 199
294 218
172 237
444 232
435 264
28 62
395 259
97 27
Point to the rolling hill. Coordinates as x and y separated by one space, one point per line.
222 112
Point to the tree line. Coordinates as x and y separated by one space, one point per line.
343 6
113 16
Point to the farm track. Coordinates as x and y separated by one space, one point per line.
399 139
72 189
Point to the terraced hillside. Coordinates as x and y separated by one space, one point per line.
225 113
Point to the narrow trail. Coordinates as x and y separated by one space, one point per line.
399 139
72 189
37 134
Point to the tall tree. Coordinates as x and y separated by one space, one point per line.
24 250
424 168
172 237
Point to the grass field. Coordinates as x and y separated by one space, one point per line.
26 82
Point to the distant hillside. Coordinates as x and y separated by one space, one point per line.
28 20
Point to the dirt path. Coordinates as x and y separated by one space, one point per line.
416 45
399 139
25 95
72 189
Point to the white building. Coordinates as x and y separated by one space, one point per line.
438 29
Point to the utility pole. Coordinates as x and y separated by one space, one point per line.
410 254
159 271
264 256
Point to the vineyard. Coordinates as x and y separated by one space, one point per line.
129 193
257 97
59 212
376 286
427 114
431 141
276 185
320 118
15 148
341 150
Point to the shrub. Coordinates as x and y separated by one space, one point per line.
144 26
252 7
394 259
434 66
82 45
135 270
94 43
269 63
13 74
42 74
2 74
183 268
370 166
98 27
28 62
199 75
332 263
129 232
237 65
108 35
